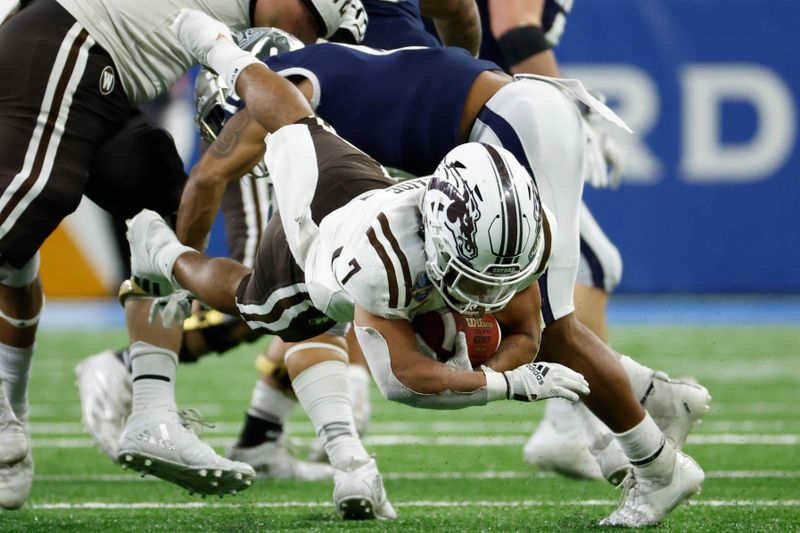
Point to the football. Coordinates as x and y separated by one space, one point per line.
438 329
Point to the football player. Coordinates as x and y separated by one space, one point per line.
538 120
69 126
414 145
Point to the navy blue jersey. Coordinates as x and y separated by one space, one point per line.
402 107
394 24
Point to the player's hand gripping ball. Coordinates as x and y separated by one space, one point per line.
437 331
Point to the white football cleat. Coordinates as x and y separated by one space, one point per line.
14 441
155 441
676 406
16 479
273 460
104 386
199 32
646 499
560 444
359 494
154 250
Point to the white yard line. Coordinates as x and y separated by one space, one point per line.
513 428
420 503
503 474
460 440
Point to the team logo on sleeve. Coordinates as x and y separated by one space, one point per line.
106 80
422 287
462 212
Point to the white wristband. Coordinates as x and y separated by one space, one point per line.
228 60
496 386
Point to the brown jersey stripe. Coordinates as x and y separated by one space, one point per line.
387 263
387 232
47 133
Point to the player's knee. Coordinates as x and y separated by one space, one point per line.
19 278
21 292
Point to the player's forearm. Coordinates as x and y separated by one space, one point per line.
272 100
457 22
543 63
432 377
515 350
199 205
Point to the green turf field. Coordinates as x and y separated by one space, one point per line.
446 471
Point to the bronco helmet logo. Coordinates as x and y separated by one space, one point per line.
462 213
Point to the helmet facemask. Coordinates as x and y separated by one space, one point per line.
210 94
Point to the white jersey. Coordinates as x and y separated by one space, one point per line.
371 252
136 33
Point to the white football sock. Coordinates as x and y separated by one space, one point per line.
153 373
643 442
269 403
359 379
15 370
323 391
640 376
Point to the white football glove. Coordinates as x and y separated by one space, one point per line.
604 161
353 26
459 361
173 308
539 381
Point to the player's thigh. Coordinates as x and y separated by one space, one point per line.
541 126
55 111
274 296
138 168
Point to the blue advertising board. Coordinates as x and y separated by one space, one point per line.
710 199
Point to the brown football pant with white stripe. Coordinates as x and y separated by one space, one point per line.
63 118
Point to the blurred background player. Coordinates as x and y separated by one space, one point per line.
520 35
68 126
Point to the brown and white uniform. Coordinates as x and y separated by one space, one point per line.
274 297
74 72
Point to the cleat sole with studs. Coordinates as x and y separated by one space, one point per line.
356 509
194 479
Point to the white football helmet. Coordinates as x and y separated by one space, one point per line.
483 228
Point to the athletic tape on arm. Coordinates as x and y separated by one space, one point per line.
292 163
